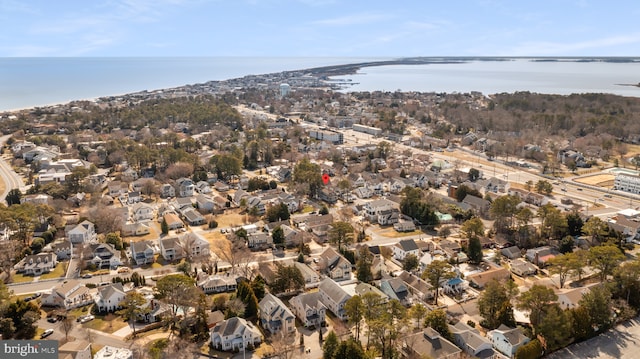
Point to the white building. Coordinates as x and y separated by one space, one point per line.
627 183
285 90
325 135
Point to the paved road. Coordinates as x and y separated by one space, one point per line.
10 179
621 342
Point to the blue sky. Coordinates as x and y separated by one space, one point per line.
355 28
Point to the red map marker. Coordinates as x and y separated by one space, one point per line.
325 179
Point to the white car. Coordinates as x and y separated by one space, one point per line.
87 318
46 333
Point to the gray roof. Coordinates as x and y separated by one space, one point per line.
333 290
408 245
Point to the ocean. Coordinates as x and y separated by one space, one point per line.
40 81
30 82
548 76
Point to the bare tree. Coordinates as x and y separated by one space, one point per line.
187 243
284 345
67 324
107 220
8 251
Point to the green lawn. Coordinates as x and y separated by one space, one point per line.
58 272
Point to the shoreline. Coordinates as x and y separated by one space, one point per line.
325 74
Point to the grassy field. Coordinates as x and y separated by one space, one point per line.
105 326
19 278
392 233
58 272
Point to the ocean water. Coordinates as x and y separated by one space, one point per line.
561 77
30 82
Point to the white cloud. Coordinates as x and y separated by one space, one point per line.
355 19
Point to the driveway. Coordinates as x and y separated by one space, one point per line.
623 341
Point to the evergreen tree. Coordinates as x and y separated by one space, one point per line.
330 345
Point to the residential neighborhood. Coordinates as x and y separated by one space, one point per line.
287 226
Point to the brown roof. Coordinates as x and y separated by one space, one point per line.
481 279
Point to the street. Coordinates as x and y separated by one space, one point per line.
10 179
623 341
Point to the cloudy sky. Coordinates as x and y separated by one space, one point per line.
319 28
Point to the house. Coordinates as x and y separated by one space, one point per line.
101 255
193 217
507 340
479 205
309 309
63 249
134 197
511 252
496 185
170 248
379 207
141 212
428 343
218 283
185 187
77 349
135 229
311 277
275 316
479 280
471 341
522 268
404 226
404 248
540 255
395 288
109 298
569 298
116 188
328 195
84 232
173 221
203 187
139 184
417 286
142 252
205 203
194 245
221 186
334 265
68 295
37 264
454 286
167 190
235 334
39 198
334 297
259 240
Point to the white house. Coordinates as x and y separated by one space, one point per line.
471 341
334 297
309 309
142 212
70 294
375 208
507 340
102 255
311 277
218 283
185 187
170 248
167 190
275 316
84 232
235 334
404 248
109 297
37 264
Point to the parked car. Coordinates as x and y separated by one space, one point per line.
46 333
124 270
52 319
87 318
87 276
